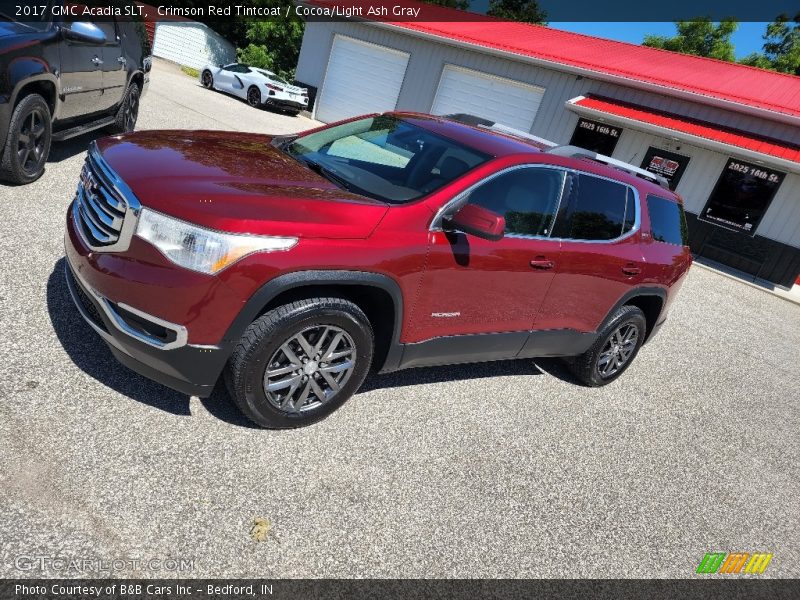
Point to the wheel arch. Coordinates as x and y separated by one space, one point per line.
374 293
44 84
650 300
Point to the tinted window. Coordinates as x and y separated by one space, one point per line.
385 157
597 210
527 198
667 221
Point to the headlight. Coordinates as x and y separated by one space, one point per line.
201 249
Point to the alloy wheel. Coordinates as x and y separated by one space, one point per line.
617 350
207 79
253 97
309 368
31 141
132 109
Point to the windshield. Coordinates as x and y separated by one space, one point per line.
385 158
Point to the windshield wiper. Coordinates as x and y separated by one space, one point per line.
328 174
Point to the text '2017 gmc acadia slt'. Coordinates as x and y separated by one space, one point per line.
295 264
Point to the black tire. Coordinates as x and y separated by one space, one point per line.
28 141
128 112
592 368
293 113
207 79
254 96
262 346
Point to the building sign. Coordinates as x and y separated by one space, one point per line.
595 136
669 165
742 196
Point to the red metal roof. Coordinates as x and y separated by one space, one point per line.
706 77
717 79
702 129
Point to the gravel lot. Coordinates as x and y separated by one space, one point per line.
500 470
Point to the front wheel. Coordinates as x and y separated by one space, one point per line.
207 79
614 350
300 362
128 112
28 141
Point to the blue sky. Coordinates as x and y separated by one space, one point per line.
747 38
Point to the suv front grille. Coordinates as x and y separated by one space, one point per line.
105 210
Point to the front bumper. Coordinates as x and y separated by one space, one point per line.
192 370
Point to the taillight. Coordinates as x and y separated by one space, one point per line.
274 87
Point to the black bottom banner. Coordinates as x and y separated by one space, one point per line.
310 589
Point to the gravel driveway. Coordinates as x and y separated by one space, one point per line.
506 469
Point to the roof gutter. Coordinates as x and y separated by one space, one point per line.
688 138
600 76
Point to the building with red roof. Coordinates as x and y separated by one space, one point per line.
727 136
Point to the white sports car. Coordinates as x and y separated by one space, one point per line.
258 87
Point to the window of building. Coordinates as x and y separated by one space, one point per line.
667 221
598 209
595 136
669 165
527 198
742 195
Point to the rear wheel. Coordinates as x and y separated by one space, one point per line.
300 362
207 79
254 96
128 112
614 350
28 141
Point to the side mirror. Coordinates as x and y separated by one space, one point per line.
477 221
83 31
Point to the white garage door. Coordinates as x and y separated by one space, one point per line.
495 98
361 78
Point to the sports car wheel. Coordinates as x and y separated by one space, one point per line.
207 79
253 96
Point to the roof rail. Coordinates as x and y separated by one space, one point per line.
482 123
577 152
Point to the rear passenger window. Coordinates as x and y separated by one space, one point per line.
667 221
599 209
527 198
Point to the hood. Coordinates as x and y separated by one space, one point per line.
238 183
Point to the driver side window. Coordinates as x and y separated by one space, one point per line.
527 197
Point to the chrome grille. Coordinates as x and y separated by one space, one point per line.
105 210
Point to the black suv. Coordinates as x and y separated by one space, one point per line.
61 76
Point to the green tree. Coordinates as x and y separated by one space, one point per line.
526 11
701 37
273 45
781 47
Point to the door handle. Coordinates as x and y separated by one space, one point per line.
96 61
631 270
542 264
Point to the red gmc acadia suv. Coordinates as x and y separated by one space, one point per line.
294 264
